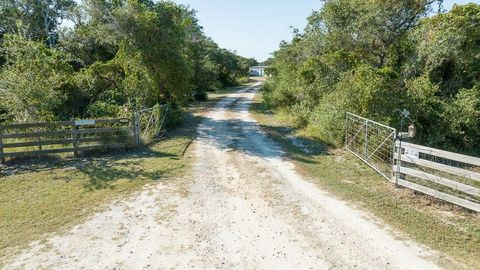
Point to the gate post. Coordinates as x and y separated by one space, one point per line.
73 126
399 159
2 158
136 128
346 130
366 140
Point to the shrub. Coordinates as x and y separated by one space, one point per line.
103 109
200 96
328 118
32 81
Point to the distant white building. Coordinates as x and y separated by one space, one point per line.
257 71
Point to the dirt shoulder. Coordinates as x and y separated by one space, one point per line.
441 226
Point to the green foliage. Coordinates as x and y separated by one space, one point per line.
38 20
33 83
375 57
123 53
102 109
464 115
326 118
448 50
230 67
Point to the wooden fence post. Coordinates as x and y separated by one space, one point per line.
2 158
74 138
136 128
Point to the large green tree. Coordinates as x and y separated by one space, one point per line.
33 84
443 77
375 57
115 54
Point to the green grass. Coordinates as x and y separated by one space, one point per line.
48 196
441 226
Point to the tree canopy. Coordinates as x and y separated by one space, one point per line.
375 57
61 59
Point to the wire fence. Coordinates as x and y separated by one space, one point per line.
150 123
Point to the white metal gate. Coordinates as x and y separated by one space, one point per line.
448 176
372 142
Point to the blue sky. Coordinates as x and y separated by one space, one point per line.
255 28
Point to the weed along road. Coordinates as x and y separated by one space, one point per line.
242 207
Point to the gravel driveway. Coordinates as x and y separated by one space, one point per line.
243 207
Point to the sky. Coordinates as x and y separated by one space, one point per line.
254 28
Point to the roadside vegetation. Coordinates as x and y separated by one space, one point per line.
441 226
374 58
79 59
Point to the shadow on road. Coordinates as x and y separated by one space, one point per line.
229 127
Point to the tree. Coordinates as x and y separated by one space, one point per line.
373 57
448 50
33 82
35 19
117 53
445 59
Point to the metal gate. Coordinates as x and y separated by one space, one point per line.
150 123
372 142
448 176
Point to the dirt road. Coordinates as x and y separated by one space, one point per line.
246 208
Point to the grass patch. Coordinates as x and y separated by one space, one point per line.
441 226
40 197
49 196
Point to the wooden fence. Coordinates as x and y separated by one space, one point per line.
448 176
452 177
33 139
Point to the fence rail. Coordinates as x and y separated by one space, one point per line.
33 139
75 136
448 176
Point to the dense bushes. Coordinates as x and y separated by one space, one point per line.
36 79
118 54
375 57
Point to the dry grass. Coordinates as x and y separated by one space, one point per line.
43 197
